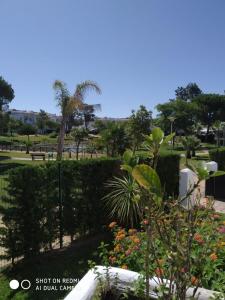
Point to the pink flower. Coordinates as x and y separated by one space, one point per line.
221 229
128 252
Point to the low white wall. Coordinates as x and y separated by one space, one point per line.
86 287
187 180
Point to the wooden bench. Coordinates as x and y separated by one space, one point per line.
42 155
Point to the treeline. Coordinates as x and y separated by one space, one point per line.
191 110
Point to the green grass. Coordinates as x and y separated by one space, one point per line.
33 138
71 262
10 154
46 139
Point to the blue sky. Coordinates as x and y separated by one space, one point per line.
138 51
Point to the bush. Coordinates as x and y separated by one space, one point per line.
31 210
53 135
24 216
218 155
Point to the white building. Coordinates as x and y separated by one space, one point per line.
29 117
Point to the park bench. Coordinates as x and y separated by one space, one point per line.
42 155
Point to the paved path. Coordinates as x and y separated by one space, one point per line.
218 205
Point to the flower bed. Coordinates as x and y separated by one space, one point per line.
209 254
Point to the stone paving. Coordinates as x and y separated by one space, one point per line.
218 205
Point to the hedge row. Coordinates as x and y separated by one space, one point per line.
32 214
31 211
218 155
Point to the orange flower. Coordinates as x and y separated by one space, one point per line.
194 280
160 261
124 267
121 231
213 256
136 240
112 225
120 237
198 238
118 248
159 272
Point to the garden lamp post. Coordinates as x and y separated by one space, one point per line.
171 119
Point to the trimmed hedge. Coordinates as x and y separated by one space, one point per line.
218 155
168 168
31 211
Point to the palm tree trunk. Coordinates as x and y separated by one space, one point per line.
77 150
60 145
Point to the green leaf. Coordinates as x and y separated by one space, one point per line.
157 135
127 156
126 168
217 173
202 173
168 138
147 178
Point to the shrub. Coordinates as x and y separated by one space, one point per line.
218 155
32 217
24 217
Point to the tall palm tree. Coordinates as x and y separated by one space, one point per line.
69 103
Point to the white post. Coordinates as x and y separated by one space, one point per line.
212 166
187 181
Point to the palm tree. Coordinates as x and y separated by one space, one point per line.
121 202
190 144
69 103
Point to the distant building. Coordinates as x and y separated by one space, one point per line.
29 117
106 119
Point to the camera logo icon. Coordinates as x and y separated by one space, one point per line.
25 284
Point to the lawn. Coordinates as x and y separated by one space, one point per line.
38 138
69 264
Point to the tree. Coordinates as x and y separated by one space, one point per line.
88 113
6 93
52 125
4 122
209 109
79 135
139 125
114 138
183 113
42 121
189 92
14 125
190 144
27 129
218 126
68 104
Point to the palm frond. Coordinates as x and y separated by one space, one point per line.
120 202
84 87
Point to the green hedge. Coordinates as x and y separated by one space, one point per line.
218 155
31 211
168 169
